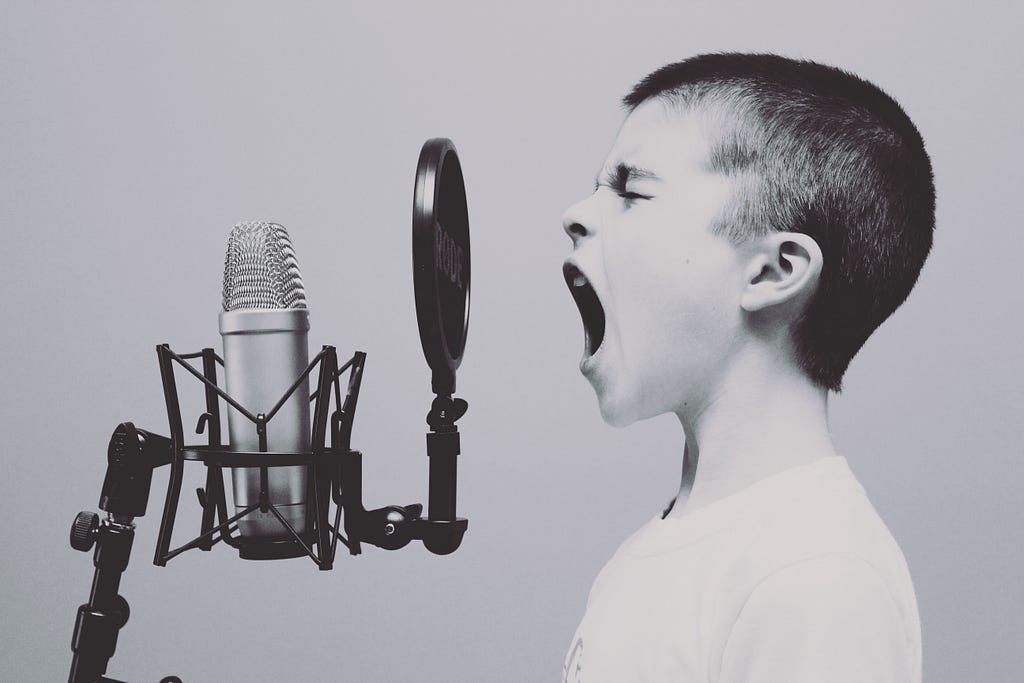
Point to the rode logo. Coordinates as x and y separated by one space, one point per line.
448 256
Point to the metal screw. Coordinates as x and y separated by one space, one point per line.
389 529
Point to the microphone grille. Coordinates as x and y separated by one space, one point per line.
260 270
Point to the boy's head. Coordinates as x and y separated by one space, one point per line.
808 175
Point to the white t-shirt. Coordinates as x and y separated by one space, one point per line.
794 579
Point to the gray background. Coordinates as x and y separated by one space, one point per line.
134 135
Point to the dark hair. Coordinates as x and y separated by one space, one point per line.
815 150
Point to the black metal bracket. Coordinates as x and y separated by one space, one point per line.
393 526
216 456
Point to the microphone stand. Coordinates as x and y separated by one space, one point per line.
132 456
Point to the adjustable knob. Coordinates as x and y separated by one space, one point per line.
83 531
390 527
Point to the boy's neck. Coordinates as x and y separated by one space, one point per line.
765 418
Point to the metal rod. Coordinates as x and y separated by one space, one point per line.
214 479
164 355
220 392
337 374
336 535
295 534
320 471
291 390
194 543
264 503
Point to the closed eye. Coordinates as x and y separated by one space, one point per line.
618 179
630 197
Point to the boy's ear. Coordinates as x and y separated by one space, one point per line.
783 267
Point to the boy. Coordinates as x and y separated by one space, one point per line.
756 219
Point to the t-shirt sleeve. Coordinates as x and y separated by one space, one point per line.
825 619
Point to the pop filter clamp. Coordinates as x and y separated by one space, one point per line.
441 278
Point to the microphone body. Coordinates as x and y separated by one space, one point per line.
265 351
265 325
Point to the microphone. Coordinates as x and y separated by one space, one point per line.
265 325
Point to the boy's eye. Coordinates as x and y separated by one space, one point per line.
632 196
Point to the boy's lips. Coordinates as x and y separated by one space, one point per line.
589 305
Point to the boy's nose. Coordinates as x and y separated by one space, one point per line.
577 221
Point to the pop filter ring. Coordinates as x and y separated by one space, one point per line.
441 260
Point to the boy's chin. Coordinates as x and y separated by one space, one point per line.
626 406
617 412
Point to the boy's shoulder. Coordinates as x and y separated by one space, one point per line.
823 510
821 556
801 513
810 513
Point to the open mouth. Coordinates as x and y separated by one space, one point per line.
590 306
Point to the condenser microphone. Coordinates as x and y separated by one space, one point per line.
265 326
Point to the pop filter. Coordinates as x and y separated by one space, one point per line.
440 257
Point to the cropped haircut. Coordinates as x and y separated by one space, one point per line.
816 150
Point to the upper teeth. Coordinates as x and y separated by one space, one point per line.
579 281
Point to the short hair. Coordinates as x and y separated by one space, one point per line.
816 150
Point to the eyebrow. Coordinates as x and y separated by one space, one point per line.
622 174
